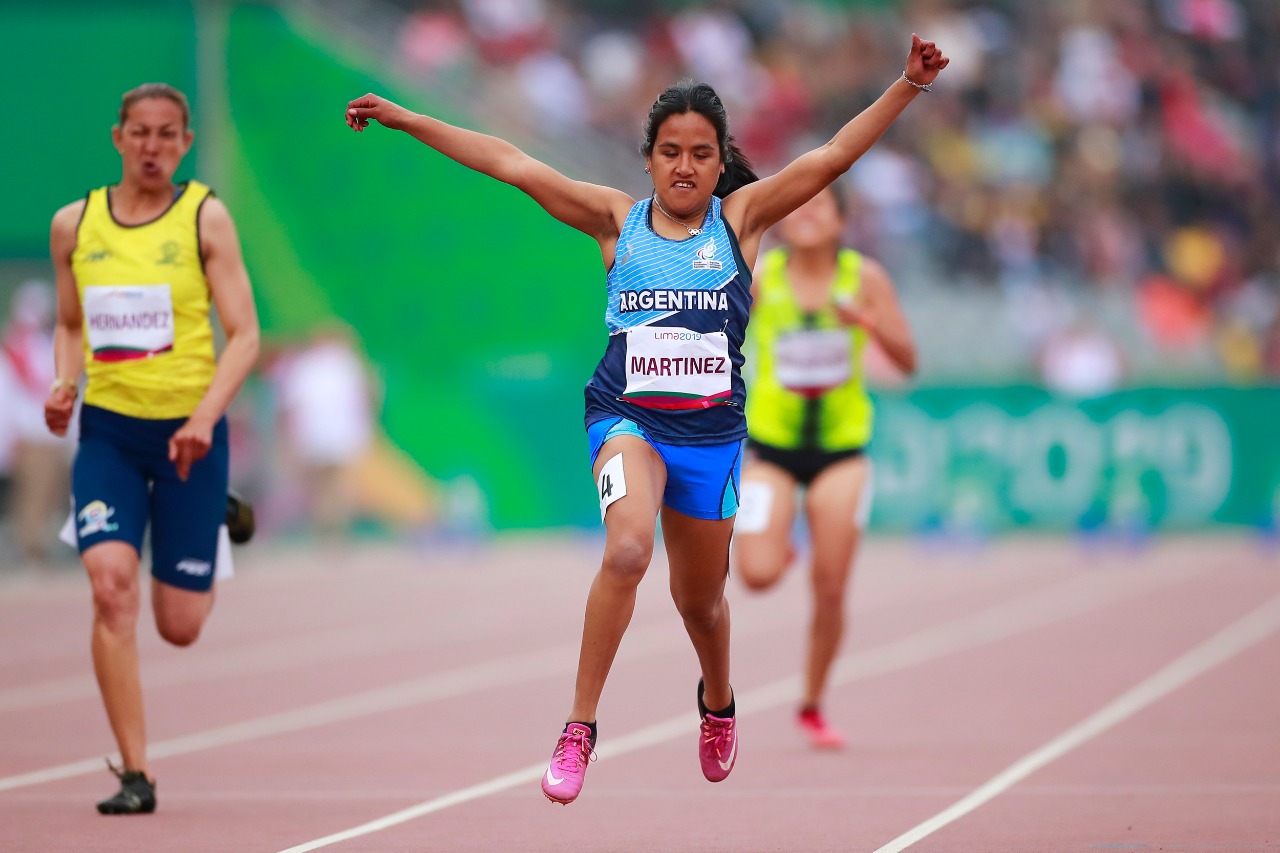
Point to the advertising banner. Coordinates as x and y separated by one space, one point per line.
985 459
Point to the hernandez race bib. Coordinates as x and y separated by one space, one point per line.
673 368
812 362
127 322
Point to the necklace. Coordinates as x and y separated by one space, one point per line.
693 232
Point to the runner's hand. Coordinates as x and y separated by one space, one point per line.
924 61
59 408
371 106
856 312
189 445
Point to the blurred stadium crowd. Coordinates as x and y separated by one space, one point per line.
1112 147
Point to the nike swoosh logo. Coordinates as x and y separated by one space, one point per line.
552 780
724 765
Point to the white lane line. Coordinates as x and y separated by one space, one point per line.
1226 644
446 685
641 642
267 656
1029 612
341 643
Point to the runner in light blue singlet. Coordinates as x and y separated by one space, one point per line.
664 408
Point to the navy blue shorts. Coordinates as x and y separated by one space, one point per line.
703 480
122 478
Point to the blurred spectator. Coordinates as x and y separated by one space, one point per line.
40 463
1209 20
893 186
1092 80
327 406
1124 147
1082 361
1241 351
436 40
783 109
1172 316
612 62
507 30
716 45
971 34
554 90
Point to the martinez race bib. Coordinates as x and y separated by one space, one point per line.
128 322
673 368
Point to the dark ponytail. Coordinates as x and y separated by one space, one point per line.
691 96
737 170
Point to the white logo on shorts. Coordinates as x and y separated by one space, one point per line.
96 518
199 568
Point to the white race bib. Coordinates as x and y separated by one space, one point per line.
612 483
813 361
673 368
126 322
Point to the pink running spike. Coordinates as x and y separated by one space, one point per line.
820 734
568 768
717 746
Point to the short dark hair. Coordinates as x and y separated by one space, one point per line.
155 90
692 96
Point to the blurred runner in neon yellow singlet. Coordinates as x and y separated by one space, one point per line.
809 420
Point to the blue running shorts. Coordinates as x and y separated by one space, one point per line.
122 478
702 479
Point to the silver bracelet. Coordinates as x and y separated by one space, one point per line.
923 87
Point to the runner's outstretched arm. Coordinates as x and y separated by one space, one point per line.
595 210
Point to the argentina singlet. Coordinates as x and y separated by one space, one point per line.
148 343
677 315
806 372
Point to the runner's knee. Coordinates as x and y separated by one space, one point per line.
701 615
179 631
828 593
760 566
116 595
627 556
115 604
756 574
701 619
831 580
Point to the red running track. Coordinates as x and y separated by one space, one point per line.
1031 696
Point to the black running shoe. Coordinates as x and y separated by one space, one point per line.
137 794
239 519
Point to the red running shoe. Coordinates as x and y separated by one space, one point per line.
820 734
